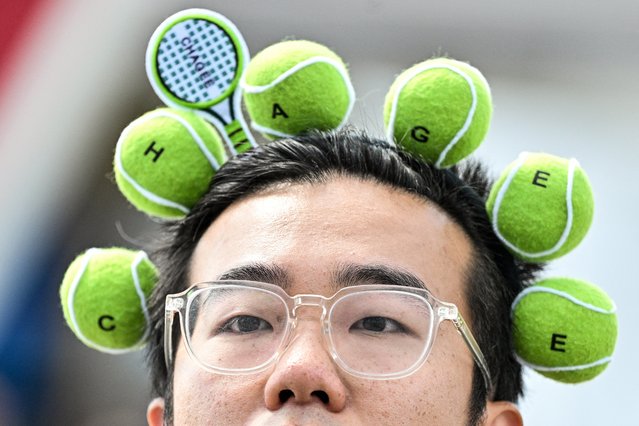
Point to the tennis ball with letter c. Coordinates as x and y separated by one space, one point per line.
103 296
564 329
294 86
439 109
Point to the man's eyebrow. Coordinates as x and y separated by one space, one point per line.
348 275
262 272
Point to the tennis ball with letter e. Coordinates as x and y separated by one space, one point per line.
103 295
565 329
541 207
165 160
439 109
294 86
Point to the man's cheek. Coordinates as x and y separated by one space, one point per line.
201 395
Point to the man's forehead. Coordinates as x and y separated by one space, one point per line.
309 228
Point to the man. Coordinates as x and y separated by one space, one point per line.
335 274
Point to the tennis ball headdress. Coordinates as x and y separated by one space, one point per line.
294 86
439 109
103 295
165 159
565 329
541 207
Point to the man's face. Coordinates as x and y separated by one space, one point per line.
310 232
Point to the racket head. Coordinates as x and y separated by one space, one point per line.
195 59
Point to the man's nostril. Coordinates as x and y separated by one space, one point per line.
285 395
323 396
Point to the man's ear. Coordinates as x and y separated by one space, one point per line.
502 413
155 412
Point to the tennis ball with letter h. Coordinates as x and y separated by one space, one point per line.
294 86
103 296
541 207
439 109
564 329
165 160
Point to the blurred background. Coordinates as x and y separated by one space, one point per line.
564 80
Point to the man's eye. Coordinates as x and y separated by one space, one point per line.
245 324
378 325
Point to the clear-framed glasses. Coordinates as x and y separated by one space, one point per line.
371 331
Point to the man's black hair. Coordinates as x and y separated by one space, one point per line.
493 281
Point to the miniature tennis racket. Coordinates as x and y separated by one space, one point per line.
194 61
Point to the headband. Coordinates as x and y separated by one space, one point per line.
197 62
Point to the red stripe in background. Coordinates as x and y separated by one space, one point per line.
16 20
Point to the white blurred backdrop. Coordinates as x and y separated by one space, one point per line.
564 80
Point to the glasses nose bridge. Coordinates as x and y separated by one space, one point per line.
309 300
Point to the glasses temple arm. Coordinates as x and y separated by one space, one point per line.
463 329
169 314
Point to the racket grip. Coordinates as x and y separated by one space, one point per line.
241 140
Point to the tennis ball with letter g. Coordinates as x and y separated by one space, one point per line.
103 295
564 329
294 86
165 160
541 207
439 109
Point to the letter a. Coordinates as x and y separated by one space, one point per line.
277 110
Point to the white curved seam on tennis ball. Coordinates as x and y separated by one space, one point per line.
221 130
469 118
604 360
140 256
194 13
251 89
572 165
567 296
71 294
145 192
70 298
196 137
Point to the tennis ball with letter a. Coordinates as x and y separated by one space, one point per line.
103 295
541 207
439 109
294 86
565 329
165 160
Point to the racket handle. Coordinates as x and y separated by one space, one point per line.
241 139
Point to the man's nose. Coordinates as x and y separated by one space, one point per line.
305 372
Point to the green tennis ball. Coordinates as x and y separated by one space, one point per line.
294 86
103 295
565 329
165 160
541 207
439 109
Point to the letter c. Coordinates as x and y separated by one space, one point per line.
106 327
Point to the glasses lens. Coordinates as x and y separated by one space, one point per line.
379 333
235 327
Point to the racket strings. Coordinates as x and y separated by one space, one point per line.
197 61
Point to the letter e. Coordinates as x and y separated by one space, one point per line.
556 341
540 177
